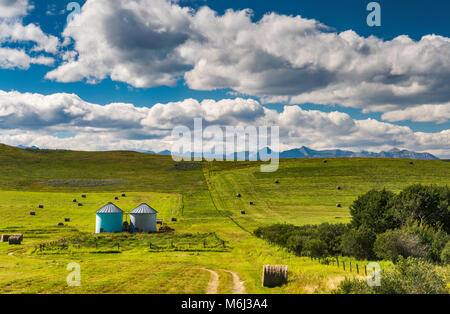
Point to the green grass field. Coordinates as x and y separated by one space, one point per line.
203 198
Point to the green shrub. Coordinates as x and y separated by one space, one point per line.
352 286
408 276
316 248
412 276
399 242
445 255
359 243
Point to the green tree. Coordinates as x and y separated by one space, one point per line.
429 205
373 210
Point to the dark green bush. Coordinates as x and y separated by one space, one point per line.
373 210
359 243
316 248
445 255
399 242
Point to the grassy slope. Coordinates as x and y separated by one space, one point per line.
202 196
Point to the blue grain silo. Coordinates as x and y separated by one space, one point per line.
143 219
109 219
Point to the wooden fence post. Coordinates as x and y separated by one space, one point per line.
343 264
357 269
365 269
350 266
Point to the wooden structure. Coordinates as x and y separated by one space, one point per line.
5 237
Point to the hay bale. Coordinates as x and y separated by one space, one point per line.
14 239
60 224
251 203
80 204
33 213
325 161
411 163
116 198
5 237
41 206
74 200
276 182
243 212
124 195
83 196
19 235
238 195
67 219
338 187
338 205
274 275
174 219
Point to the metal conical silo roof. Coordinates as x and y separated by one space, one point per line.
143 209
109 208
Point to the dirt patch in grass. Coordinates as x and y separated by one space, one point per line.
83 182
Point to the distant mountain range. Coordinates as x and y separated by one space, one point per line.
28 147
305 152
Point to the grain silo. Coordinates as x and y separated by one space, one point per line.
109 219
143 219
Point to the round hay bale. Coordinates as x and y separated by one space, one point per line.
174 219
74 200
123 195
251 203
116 198
338 205
274 275
325 161
411 163
33 213
83 196
243 212
41 206
67 219
60 224
80 204
339 188
14 239
238 195
277 182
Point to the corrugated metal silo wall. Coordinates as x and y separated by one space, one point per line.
110 222
143 222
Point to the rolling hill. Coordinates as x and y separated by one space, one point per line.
203 198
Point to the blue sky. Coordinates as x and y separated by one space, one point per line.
413 18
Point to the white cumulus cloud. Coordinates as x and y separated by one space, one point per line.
279 58
45 121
